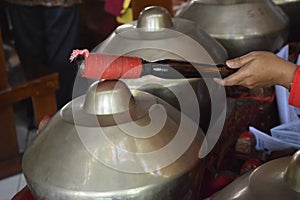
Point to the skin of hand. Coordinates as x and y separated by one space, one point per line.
259 69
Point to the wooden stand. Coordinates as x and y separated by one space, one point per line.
42 92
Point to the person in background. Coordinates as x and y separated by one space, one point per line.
45 33
260 69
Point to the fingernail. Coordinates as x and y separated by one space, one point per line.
229 63
219 81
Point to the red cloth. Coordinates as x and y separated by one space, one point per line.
112 66
294 98
24 194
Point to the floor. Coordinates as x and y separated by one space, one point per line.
11 185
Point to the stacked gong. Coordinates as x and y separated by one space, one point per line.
155 36
291 8
277 179
240 26
120 140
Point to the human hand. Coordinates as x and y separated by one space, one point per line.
259 69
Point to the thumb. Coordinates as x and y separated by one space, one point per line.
240 61
234 63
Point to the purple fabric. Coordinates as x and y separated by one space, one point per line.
114 7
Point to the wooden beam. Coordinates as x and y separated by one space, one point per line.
38 87
11 166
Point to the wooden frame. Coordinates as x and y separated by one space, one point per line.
42 92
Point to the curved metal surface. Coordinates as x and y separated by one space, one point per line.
171 38
292 173
277 179
182 41
74 155
101 99
153 19
279 2
240 27
224 2
291 8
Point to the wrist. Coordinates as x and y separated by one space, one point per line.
287 76
289 86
